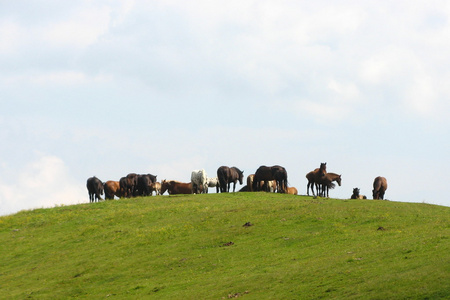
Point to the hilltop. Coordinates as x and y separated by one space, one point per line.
220 246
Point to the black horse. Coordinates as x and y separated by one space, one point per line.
266 174
95 189
227 176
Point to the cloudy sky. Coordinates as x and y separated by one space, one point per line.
107 88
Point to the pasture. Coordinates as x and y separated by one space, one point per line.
228 245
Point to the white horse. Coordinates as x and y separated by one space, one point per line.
198 179
213 182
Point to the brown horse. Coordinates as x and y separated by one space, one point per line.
227 176
327 183
175 187
379 187
266 174
112 188
356 194
314 178
292 190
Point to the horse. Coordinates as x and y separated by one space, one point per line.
143 184
314 177
356 194
132 183
327 182
128 185
95 189
379 187
266 174
112 188
292 190
280 176
155 187
175 187
227 176
250 182
198 179
213 182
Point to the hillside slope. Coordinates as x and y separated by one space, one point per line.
219 246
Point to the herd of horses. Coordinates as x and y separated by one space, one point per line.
268 179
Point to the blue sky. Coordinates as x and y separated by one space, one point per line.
107 88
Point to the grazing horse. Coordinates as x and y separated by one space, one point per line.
95 189
292 190
266 174
175 187
227 176
356 194
379 187
112 188
213 182
198 179
314 177
327 183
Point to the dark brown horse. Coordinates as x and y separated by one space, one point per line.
314 178
227 176
175 187
327 182
265 174
379 187
95 189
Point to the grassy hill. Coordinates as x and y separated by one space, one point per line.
220 246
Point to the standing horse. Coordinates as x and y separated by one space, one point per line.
379 187
112 188
95 189
227 176
175 187
213 182
265 174
262 174
198 179
314 178
280 176
327 183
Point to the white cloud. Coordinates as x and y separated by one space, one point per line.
80 30
9 36
43 183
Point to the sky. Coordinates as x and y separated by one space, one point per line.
108 88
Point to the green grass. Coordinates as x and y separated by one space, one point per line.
178 247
